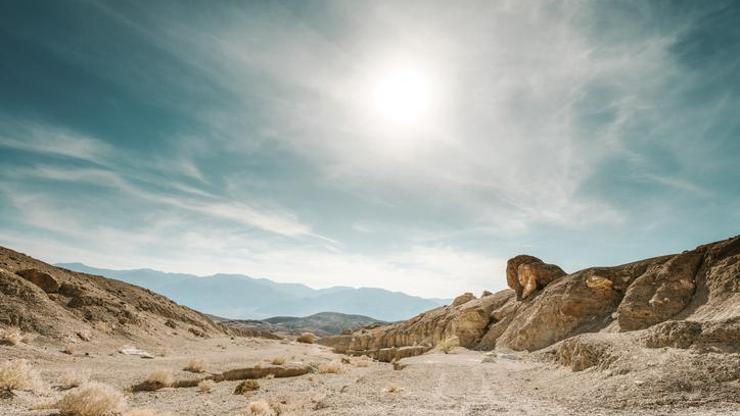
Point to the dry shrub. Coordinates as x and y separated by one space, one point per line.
19 375
159 379
259 408
449 344
196 366
333 367
393 388
162 377
246 386
92 399
306 338
206 386
71 379
11 336
279 360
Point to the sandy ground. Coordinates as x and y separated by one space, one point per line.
431 384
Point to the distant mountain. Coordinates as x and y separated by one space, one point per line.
243 297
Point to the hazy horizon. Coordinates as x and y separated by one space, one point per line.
413 146
205 276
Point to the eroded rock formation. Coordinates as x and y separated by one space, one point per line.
699 290
525 274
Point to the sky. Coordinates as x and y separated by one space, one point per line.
413 146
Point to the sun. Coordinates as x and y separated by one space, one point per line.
402 95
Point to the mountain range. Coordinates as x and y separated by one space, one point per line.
237 296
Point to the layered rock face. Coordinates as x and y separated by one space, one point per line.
468 321
699 289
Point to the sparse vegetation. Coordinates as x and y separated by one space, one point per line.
279 360
19 375
333 367
11 336
259 408
158 379
92 399
246 386
393 388
162 377
206 386
306 338
71 379
196 366
449 344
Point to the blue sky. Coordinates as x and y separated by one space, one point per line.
247 137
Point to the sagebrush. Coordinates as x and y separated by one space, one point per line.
92 399
19 375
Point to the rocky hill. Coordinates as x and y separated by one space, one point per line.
60 304
324 323
321 324
668 318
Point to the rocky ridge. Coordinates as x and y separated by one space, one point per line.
686 300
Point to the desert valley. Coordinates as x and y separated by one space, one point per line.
654 337
369 208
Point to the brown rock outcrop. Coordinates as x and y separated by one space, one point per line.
698 288
659 293
468 321
45 281
463 299
525 274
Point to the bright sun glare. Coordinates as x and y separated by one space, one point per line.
402 95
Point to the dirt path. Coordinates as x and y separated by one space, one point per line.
460 384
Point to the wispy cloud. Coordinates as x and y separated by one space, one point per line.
109 176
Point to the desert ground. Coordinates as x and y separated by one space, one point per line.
462 382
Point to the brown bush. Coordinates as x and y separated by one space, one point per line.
206 386
19 375
196 366
306 338
246 386
92 399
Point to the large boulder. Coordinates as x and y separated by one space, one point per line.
45 281
525 274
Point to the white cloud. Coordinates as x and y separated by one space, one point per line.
274 220
34 137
